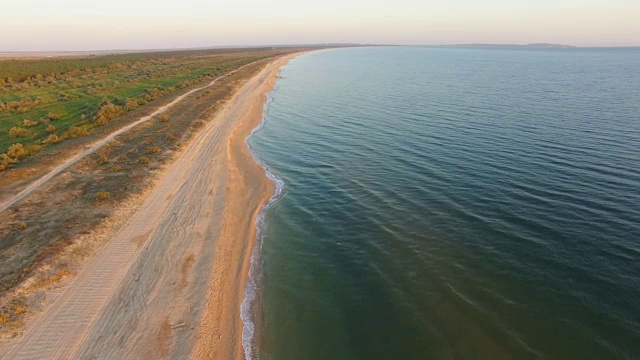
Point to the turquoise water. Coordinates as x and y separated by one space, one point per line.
451 204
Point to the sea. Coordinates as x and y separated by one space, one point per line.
449 203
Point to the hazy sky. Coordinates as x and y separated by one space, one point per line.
33 25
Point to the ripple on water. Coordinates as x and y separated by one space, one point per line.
456 204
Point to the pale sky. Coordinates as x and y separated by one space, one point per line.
70 25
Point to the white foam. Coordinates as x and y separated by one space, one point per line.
251 288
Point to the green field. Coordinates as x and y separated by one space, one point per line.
47 101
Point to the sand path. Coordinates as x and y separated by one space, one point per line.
154 291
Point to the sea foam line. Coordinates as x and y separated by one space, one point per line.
251 287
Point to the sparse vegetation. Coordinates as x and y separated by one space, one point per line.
102 195
79 94
153 150
144 160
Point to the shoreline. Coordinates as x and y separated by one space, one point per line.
252 296
239 238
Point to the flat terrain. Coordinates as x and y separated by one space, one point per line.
44 102
60 204
154 290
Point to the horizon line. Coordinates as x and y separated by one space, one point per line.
254 46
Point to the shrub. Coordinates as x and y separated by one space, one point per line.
102 159
153 150
22 225
19 309
107 112
29 123
102 195
6 161
164 118
130 104
172 138
16 151
152 94
116 168
75 132
144 160
51 129
53 116
52 139
32 149
18 132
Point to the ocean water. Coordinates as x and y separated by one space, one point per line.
450 204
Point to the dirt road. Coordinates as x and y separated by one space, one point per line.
169 284
100 143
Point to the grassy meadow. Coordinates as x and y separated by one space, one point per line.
46 101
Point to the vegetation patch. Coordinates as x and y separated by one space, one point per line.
80 94
102 195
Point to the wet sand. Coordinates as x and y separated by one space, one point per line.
169 284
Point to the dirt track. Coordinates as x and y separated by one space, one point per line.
100 143
155 291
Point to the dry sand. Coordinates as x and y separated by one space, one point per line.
169 284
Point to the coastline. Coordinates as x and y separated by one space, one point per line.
221 329
153 289
248 312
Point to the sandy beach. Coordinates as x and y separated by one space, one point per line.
169 284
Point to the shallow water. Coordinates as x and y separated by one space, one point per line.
452 203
